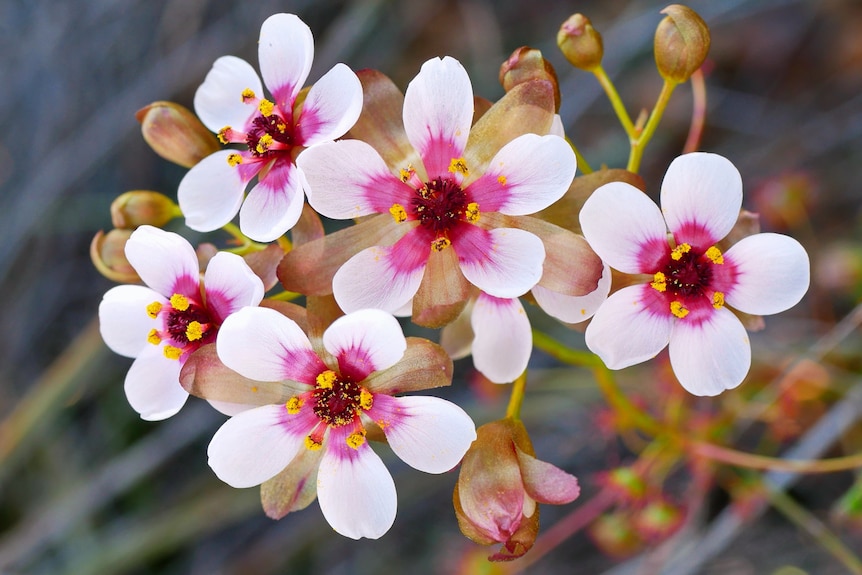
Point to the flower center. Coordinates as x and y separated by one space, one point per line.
268 135
439 204
186 325
686 279
337 400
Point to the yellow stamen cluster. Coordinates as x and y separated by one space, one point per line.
264 143
312 444
366 400
355 440
659 282
248 94
179 302
234 160
223 134
406 173
714 254
676 253
326 379
718 300
172 352
153 309
472 212
153 337
502 179
399 214
194 331
458 165
265 107
293 405
678 310
441 244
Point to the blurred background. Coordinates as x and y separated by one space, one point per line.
87 487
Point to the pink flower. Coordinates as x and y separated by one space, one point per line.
231 103
163 324
692 281
329 398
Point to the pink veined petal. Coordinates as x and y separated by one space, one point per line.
574 309
503 338
503 262
428 433
365 341
274 205
773 273
710 356
165 261
381 277
230 285
285 53
355 491
701 195
331 108
123 320
349 179
625 332
527 175
438 111
625 228
218 101
255 445
260 343
211 192
153 385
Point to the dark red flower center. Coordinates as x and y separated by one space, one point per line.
439 204
336 400
268 135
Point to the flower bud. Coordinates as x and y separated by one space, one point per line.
107 251
657 520
175 133
613 534
681 43
580 43
140 207
527 64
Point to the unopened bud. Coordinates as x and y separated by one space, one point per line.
657 520
527 64
681 43
140 207
580 43
176 134
107 251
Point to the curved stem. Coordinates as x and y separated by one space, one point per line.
616 101
643 139
513 410
698 112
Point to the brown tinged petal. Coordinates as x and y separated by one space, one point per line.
443 292
107 252
264 264
527 64
547 483
521 540
175 133
308 228
294 488
681 43
425 365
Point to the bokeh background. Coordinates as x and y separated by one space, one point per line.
87 487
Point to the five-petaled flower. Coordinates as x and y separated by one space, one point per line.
691 281
163 324
231 103
329 399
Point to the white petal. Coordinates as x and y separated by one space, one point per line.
254 446
230 408
503 338
376 277
700 193
504 262
230 285
211 192
367 340
153 385
428 433
574 309
123 320
285 52
624 227
164 260
356 492
332 106
218 101
557 128
774 273
711 356
457 337
624 331
274 205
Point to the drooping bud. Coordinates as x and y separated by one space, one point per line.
140 207
580 43
681 43
175 133
107 251
527 64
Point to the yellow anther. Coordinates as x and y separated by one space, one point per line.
406 174
264 143
223 134
234 160
676 253
472 212
312 444
326 379
366 400
179 302
153 309
718 300
281 127
355 440
441 244
153 337
248 94
172 352
194 331
458 165
293 405
399 214
659 281
265 107
678 310
714 254
502 179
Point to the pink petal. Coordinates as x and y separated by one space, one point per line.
255 445
285 52
438 111
331 108
260 343
274 205
365 341
503 338
428 433
527 175
230 285
349 179
774 273
624 331
546 483
574 309
701 195
165 261
123 320
218 101
355 491
153 385
211 192
625 228
712 355
504 262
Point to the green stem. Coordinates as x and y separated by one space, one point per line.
565 354
583 166
513 410
639 143
616 101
